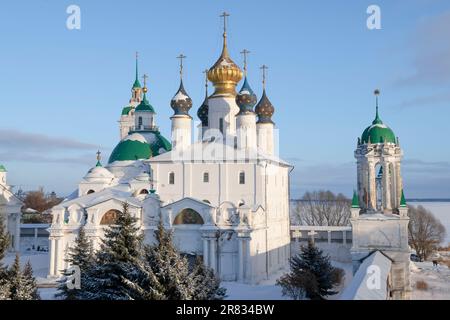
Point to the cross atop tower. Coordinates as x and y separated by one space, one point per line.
264 68
145 77
99 157
245 52
181 57
224 15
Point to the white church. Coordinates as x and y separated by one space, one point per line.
223 193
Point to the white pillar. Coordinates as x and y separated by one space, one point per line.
387 187
212 254
246 131
17 237
205 252
247 267
181 131
329 237
52 257
240 260
344 237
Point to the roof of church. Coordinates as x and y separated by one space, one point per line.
126 110
378 132
138 146
2 168
145 106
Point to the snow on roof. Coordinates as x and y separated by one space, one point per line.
136 137
180 96
370 281
211 151
120 192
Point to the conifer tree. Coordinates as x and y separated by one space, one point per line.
82 256
4 243
206 283
312 276
22 285
169 267
30 281
116 261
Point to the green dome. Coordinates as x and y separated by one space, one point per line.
378 132
2 168
138 146
144 106
126 110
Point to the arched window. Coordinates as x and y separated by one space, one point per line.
90 191
206 177
110 217
140 122
242 177
172 178
188 216
144 191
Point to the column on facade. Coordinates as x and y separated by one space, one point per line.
247 267
205 252
17 237
240 260
52 257
372 186
212 254
387 186
398 183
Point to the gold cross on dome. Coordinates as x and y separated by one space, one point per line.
181 57
264 68
145 77
224 15
245 52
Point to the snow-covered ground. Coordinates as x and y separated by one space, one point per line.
441 210
437 279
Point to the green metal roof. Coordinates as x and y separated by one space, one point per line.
145 106
137 150
378 132
403 200
355 200
126 110
2 168
130 150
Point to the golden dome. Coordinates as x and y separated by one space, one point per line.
225 74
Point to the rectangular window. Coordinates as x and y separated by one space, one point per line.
171 178
206 177
241 177
221 125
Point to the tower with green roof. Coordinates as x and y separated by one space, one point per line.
379 156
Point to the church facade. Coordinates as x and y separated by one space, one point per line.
225 195
10 210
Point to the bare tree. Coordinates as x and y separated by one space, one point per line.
322 208
426 232
40 201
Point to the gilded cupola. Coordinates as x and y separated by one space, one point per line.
225 74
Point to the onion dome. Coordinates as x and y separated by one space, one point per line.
202 112
246 99
140 146
145 106
378 132
264 109
225 74
181 102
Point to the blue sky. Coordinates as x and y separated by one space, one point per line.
61 91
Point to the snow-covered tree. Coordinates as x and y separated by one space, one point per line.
22 285
116 261
206 283
169 267
312 276
4 243
30 281
82 256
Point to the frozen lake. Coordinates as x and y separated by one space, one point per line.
441 209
